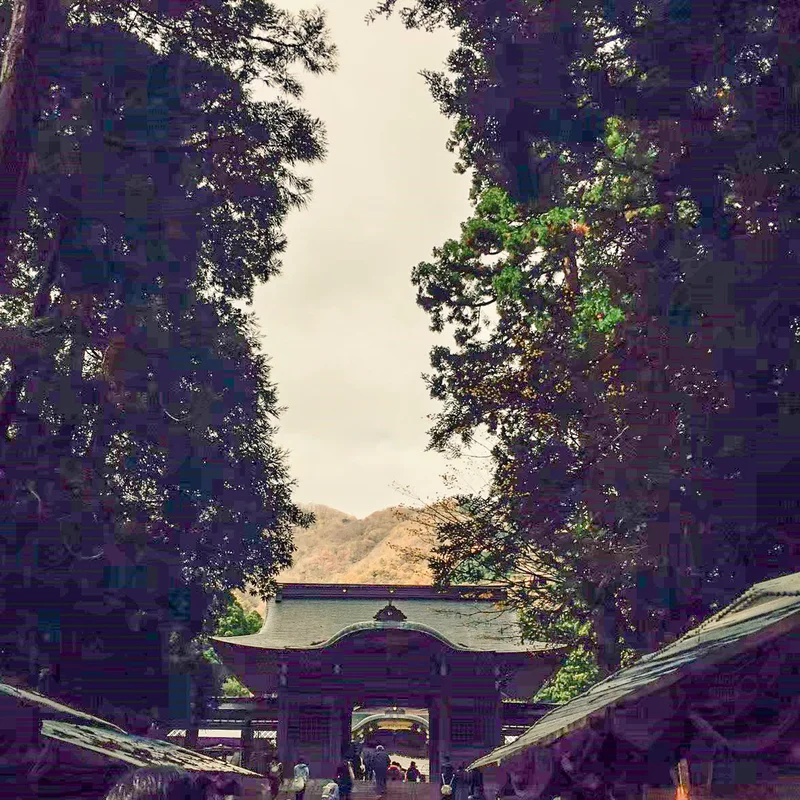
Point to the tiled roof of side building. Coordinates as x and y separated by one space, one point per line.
135 750
303 620
763 613
51 708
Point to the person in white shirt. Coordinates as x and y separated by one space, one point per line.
301 776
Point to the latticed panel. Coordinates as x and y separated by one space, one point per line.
463 731
311 726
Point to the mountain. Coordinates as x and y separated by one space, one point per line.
388 546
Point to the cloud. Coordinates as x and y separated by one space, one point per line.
346 340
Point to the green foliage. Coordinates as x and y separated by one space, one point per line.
232 687
595 311
578 674
508 283
235 621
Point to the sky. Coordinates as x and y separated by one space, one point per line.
347 342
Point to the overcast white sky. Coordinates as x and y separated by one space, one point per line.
347 341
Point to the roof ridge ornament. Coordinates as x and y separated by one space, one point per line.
390 613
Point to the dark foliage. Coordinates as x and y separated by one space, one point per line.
140 482
624 305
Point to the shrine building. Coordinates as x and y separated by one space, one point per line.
327 649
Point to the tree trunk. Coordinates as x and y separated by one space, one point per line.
35 24
607 630
41 305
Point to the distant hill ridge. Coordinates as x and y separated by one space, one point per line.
388 546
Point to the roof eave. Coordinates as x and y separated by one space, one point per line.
506 752
532 649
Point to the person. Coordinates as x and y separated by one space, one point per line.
508 787
448 773
301 776
380 766
368 754
395 773
260 759
344 780
274 776
412 773
461 783
330 791
225 786
476 784
165 783
358 765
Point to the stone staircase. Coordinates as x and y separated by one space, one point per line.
365 790
362 790
395 790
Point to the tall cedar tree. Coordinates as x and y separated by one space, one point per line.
624 302
139 478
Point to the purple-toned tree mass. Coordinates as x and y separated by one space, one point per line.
623 306
140 481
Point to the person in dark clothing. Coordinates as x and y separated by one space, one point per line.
368 754
507 789
344 779
274 776
358 765
448 773
461 783
412 773
380 766
476 784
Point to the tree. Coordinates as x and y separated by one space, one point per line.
619 164
238 622
33 26
234 621
136 405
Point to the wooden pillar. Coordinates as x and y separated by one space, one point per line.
334 749
247 743
444 729
496 729
347 725
284 749
439 715
434 750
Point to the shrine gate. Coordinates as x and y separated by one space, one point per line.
325 649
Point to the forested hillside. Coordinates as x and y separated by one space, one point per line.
386 547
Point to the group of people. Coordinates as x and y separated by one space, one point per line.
172 783
339 789
461 784
379 766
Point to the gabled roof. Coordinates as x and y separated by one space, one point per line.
52 708
764 612
135 750
313 617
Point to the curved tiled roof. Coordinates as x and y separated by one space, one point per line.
313 618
